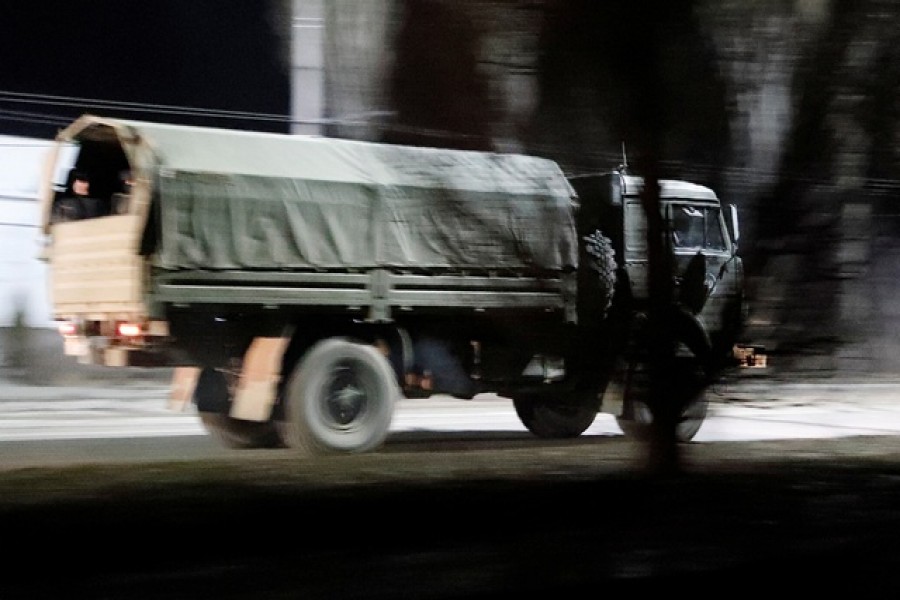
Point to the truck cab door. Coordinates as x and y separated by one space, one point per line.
706 266
635 248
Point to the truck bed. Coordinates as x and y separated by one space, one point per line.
269 220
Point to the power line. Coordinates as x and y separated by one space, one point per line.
369 119
73 101
46 144
740 176
364 119
24 225
20 117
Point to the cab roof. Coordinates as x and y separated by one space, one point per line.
668 188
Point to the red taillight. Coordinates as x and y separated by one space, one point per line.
67 329
129 329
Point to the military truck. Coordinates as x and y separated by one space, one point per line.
300 286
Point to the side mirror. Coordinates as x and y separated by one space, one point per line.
735 228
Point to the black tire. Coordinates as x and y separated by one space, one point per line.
638 426
211 396
597 278
241 435
637 418
550 418
339 399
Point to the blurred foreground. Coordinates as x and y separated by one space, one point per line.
563 518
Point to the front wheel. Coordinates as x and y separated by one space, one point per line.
551 418
339 399
685 386
641 419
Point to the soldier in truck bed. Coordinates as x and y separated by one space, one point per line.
76 202
120 200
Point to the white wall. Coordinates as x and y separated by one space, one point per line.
307 67
23 277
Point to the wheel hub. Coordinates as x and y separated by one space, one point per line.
346 399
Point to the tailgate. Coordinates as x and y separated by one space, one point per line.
95 269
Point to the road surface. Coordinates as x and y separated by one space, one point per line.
740 410
42 426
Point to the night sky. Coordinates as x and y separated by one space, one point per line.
57 56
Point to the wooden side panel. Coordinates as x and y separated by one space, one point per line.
95 271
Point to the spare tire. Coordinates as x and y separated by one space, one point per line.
596 277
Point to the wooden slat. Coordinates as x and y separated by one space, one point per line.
95 268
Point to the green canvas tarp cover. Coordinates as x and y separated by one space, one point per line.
246 200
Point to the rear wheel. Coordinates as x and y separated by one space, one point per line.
212 399
596 278
339 399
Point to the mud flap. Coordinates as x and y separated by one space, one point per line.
694 336
612 399
630 380
257 387
181 390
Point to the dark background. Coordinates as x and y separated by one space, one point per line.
225 55
789 110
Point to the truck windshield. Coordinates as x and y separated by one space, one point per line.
697 227
694 227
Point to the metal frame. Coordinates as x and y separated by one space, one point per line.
378 291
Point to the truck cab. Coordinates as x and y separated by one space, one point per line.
701 233
701 236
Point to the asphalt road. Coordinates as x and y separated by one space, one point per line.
740 409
